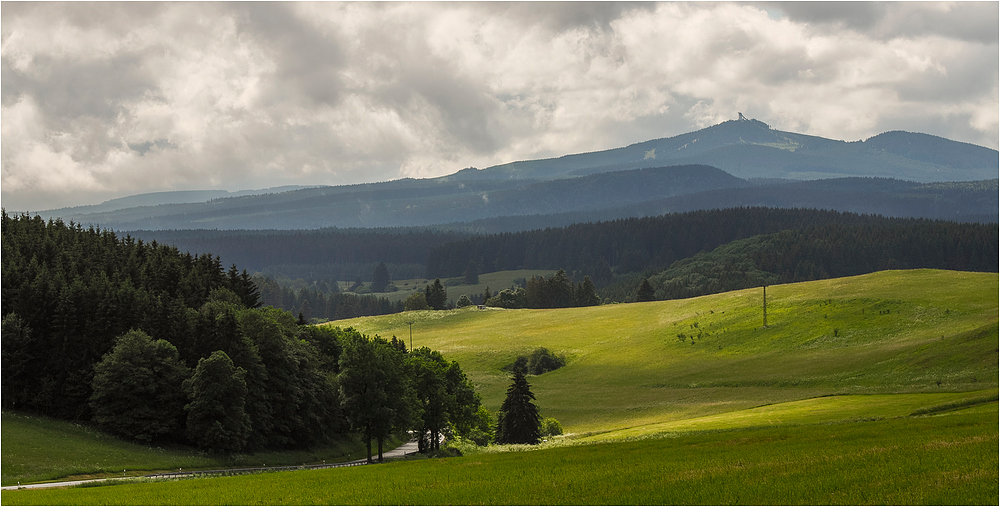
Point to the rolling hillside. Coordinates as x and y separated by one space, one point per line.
831 394
651 363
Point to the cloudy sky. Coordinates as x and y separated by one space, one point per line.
106 100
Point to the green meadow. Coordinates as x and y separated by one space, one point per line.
631 365
947 458
876 389
37 449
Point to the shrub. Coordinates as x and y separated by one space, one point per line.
463 301
551 427
542 360
537 362
417 301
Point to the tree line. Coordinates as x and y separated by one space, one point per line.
338 253
316 303
611 251
156 345
830 251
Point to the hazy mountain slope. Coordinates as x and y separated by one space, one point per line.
751 149
158 198
618 178
421 202
963 202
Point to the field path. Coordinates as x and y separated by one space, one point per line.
407 448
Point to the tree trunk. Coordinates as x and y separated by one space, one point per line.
368 444
380 439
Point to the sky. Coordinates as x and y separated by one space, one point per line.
108 100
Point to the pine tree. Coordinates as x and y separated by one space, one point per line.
518 422
586 293
471 273
380 278
646 292
437 297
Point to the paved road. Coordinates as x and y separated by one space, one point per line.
407 448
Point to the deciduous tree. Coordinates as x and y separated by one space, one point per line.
217 419
137 389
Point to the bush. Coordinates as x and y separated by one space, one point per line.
444 452
463 301
478 437
417 301
551 427
542 360
509 298
538 362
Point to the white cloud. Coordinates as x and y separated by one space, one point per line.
113 99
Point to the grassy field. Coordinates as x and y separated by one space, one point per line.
496 281
36 449
877 389
650 363
948 458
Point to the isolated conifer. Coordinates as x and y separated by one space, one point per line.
518 422
437 296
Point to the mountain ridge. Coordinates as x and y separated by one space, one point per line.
748 138
740 151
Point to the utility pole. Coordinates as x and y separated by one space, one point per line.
765 306
410 323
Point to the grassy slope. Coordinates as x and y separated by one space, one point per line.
888 332
908 331
945 459
39 449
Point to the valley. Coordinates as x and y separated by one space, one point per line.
845 368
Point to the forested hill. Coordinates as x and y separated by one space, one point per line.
605 249
330 253
77 289
823 251
165 347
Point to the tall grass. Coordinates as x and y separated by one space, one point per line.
941 459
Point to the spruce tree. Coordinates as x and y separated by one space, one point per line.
646 292
437 296
518 422
380 278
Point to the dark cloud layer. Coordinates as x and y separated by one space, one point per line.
107 99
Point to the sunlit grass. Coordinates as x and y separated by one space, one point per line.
825 410
855 355
941 459
888 332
